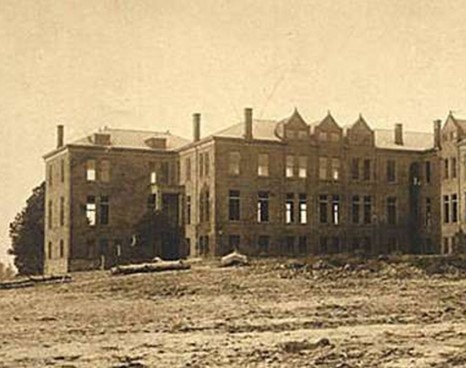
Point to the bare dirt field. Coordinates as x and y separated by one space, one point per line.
270 314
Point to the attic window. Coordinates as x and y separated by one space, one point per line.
102 139
291 134
302 134
157 143
334 137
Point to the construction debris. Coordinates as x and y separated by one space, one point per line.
234 259
157 266
34 280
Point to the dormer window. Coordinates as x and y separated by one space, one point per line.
302 134
334 137
322 136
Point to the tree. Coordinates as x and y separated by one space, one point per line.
27 234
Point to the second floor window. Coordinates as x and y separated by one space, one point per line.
323 209
323 168
105 170
335 209
187 168
391 210
263 207
367 215
446 209
289 171
446 167
104 210
289 208
391 171
234 205
62 211
302 208
367 170
263 164
355 169
335 169
428 171
355 210
91 211
454 208
90 170
453 167
234 163
302 169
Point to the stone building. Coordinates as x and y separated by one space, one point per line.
264 187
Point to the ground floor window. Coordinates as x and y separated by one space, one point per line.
263 243
233 243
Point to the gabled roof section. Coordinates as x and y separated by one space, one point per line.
134 139
361 124
328 123
460 123
295 121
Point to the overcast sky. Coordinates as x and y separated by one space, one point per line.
151 64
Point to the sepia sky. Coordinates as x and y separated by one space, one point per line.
151 64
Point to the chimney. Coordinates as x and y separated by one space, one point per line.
60 136
248 123
196 127
437 130
399 134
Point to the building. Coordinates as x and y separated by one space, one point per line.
264 187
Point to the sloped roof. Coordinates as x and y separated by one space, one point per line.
412 141
135 139
261 129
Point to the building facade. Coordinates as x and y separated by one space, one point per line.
264 187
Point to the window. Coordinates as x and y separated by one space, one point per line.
152 173
446 209
90 170
104 210
234 159
263 207
367 170
62 211
206 163
391 210
233 242
62 249
91 249
428 216
302 244
428 171
207 205
445 168
49 250
289 166
62 170
302 134
289 208
335 168
151 202
105 171
323 209
302 209
263 165
50 214
453 167
322 136
454 208
290 244
188 210
355 209
323 244
201 165
103 247
391 171
302 166
355 169
164 173
187 169
90 210
263 243
50 175
367 209
322 168
334 137
234 205
335 245
335 209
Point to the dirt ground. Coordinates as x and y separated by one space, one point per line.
270 314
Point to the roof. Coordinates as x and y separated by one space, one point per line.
384 138
135 139
261 129
412 141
